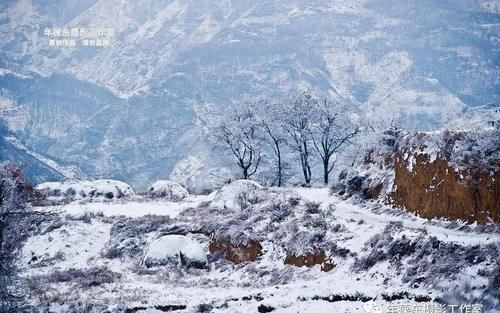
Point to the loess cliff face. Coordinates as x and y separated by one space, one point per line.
450 174
435 189
236 253
453 175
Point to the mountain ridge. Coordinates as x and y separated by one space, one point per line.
126 110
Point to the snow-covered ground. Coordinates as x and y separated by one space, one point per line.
92 262
133 208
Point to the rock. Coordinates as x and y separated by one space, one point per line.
168 190
176 249
237 195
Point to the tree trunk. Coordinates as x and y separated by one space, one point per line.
325 170
308 179
280 174
2 226
307 167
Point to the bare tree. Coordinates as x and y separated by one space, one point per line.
16 219
268 118
237 132
331 129
297 115
14 212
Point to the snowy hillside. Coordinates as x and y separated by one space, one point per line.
37 167
124 110
313 253
233 156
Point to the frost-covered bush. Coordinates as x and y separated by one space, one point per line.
16 217
372 173
479 147
167 190
426 260
175 249
368 176
385 246
129 236
84 190
434 259
312 207
85 277
279 216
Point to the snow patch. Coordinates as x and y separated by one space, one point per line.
79 190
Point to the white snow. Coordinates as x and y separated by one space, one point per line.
82 244
4 71
132 208
13 114
206 31
76 245
193 172
103 188
168 190
375 223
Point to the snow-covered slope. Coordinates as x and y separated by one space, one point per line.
71 171
379 254
36 170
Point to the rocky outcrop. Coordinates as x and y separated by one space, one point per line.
252 250
317 257
236 253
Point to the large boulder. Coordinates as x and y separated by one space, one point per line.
168 190
175 249
239 194
80 190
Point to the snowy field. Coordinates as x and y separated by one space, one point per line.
133 208
93 258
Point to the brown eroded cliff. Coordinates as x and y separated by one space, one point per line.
435 189
450 174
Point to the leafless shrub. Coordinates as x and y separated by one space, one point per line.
312 207
17 221
89 277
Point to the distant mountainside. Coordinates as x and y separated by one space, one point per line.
35 170
129 111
